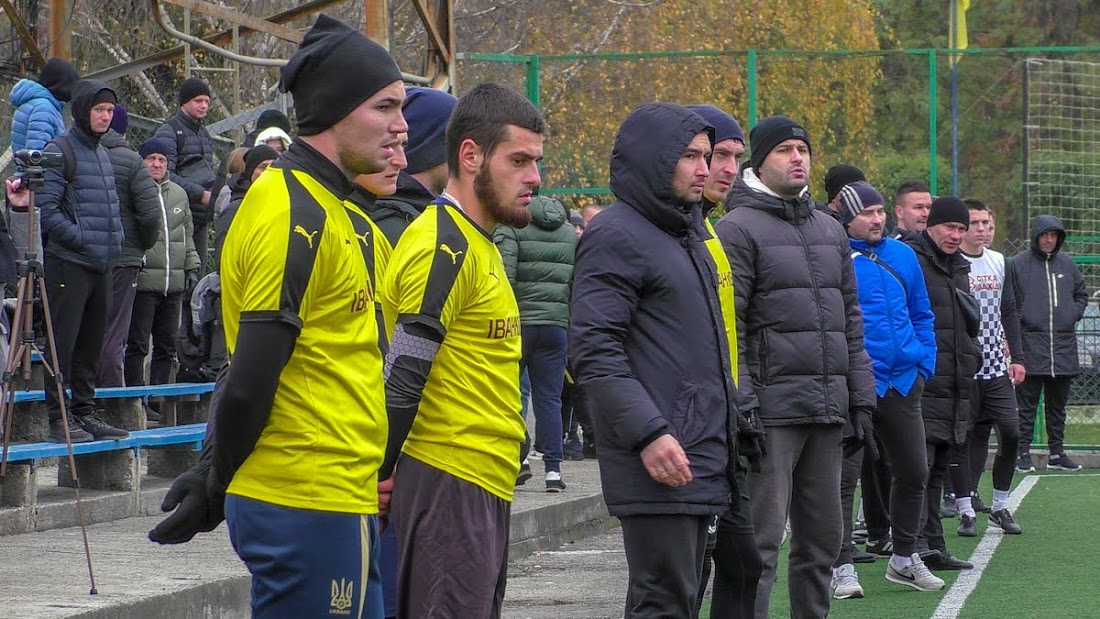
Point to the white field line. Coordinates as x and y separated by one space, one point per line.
952 603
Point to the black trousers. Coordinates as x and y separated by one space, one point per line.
123 290
157 315
900 429
1056 391
876 479
940 457
737 560
79 300
665 559
994 406
850 469
202 238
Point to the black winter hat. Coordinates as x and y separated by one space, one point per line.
257 155
855 197
771 132
335 69
158 146
427 111
59 77
192 87
272 118
840 175
948 209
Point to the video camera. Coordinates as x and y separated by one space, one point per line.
39 158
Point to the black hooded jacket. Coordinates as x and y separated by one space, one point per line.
647 341
392 214
138 200
1050 294
798 312
945 403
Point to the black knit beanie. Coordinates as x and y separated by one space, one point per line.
272 118
59 77
257 155
192 87
771 132
855 198
948 209
335 69
839 176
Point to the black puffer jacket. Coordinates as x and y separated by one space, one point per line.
797 308
945 402
193 166
1050 294
647 341
392 214
80 220
137 199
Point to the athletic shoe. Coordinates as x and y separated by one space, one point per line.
1003 520
858 556
882 547
554 482
1062 462
945 561
100 429
846 582
977 503
524 474
589 451
571 449
1024 464
76 432
859 532
915 575
968 526
950 507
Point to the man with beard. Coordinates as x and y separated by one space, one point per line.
806 371
297 428
652 345
452 371
731 540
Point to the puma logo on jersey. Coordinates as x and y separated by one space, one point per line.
443 247
364 238
309 235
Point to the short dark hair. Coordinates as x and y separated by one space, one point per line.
483 115
911 186
975 204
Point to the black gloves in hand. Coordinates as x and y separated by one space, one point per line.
863 433
192 279
199 509
751 439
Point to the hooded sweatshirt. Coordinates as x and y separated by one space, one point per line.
538 260
1056 298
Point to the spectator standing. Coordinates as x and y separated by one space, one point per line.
256 160
140 208
171 267
268 118
945 403
912 201
806 372
1050 292
82 240
653 348
191 158
538 260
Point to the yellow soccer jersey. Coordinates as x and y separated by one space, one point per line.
446 269
296 253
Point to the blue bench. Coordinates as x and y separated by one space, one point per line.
188 436
172 390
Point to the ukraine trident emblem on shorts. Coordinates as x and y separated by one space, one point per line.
341 596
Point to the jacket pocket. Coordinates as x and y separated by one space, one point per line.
686 419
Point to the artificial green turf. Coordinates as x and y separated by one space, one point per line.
1031 575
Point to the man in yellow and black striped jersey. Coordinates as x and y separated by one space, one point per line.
452 372
298 421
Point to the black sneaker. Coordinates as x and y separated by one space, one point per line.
950 507
858 556
589 451
152 417
968 526
1062 462
1003 520
977 503
1024 464
76 433
859 532
882 547
524 474
554 482
100 429
945 561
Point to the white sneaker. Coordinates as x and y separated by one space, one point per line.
554 482
846 582
915 575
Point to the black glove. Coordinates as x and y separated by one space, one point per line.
192 278
199 509
751 439
862 433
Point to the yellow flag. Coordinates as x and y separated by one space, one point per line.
957 30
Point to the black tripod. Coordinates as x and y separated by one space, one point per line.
21 344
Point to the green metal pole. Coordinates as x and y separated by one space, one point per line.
752 88
533 80
932 105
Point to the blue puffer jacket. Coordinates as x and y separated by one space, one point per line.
898 323
80 220
37 117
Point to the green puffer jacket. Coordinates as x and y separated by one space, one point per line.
166 263
539 262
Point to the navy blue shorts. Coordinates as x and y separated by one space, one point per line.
307 563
